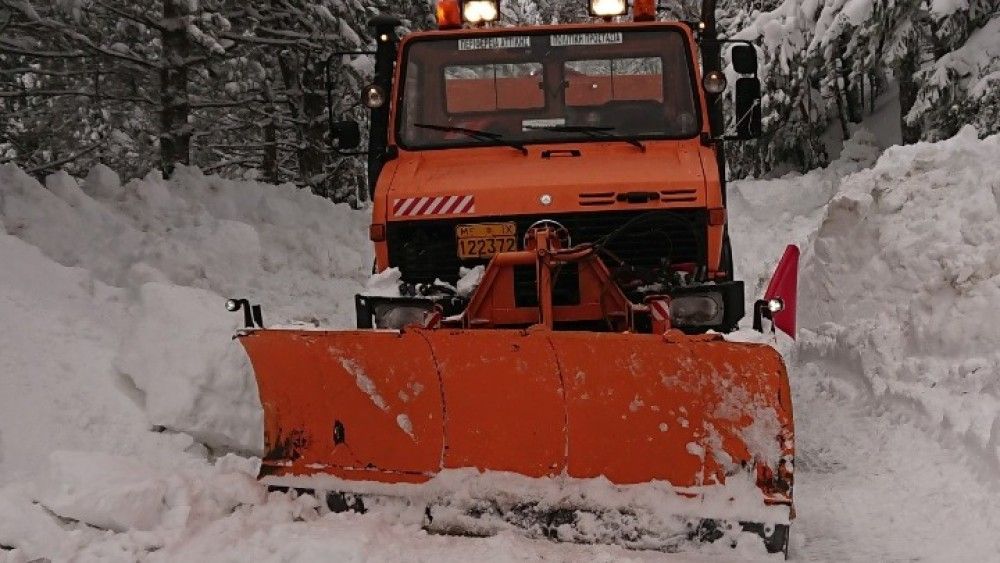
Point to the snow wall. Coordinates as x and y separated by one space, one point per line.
113 300
900 275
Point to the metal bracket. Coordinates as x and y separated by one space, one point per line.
760 312
252 315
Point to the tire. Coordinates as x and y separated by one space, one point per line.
726 264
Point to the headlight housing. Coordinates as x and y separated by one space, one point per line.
700 309
374 96
608 8
711 306
480 11
714 82
398 316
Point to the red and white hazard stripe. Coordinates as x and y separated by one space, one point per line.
659 309
441 205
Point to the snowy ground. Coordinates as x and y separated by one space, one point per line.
118 383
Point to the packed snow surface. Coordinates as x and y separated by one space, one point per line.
128 418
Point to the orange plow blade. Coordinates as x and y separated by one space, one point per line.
397 409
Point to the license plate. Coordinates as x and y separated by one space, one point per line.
482 240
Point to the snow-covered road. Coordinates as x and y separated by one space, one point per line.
875 485
114 393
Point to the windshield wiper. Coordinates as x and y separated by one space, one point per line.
593 132
475 134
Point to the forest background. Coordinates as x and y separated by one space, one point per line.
241 88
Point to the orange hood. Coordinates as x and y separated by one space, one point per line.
492 181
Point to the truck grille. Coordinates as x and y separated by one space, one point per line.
426 250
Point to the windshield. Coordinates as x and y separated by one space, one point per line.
549 87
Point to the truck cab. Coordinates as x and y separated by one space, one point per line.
610 131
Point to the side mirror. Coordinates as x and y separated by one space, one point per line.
346 133
744 59
748 116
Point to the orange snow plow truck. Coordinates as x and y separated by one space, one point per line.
549 204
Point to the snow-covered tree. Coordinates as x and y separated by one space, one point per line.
794 113
826 62
241 88
961 83
520 12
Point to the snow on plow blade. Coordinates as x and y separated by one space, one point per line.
401 413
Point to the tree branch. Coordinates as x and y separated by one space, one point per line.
88 72
225 104
9 47
130 16
225 163
262 40
57 93
66 160
88 44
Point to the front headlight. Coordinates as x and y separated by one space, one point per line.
607 8
714 82
374 96
698 309
479 11
395 316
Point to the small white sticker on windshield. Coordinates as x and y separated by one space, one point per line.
506 42
532 124
569 39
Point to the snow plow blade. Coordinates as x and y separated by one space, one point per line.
694 426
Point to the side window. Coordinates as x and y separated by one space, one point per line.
413 101
597 82
493 87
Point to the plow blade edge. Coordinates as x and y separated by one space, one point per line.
403 406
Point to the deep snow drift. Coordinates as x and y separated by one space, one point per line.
120 388
896 375
141 308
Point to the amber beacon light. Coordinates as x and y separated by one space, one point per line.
449 14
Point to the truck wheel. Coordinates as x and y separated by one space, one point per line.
726 264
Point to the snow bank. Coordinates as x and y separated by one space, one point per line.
903 281
58 387
767 215
145 270
190 378
119 493
89 494
900 274
895 374
115 349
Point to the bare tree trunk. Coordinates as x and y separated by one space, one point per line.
288 63
850 93
96 114
270 160
839 95
175 130
908 93
308 106
312 157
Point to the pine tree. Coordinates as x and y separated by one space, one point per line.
961 84
520 12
